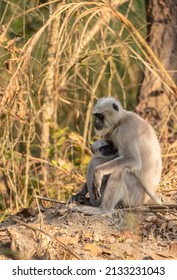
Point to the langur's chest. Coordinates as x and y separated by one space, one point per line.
117 136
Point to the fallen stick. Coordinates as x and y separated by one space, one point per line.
152 207
49 199
148 207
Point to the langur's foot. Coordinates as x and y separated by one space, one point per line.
89 210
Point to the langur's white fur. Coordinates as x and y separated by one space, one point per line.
139 164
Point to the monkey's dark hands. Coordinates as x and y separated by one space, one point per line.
97 182
77 198
80 196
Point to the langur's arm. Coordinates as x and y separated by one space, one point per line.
94 163
131 161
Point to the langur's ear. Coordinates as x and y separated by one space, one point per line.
115 107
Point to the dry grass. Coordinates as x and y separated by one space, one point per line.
97 53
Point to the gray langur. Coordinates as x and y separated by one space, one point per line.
102 151
136 172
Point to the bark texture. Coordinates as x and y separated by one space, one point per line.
155 100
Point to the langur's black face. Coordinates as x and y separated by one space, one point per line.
99 121
103 148
108 149
107 114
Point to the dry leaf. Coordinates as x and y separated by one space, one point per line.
130 235
170 254
88 235
93 249
172 251
151 218
68 240
110 239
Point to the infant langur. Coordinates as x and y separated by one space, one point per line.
136 172
102 151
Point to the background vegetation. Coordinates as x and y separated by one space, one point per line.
56 59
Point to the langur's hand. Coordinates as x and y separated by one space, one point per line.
78 197
97 182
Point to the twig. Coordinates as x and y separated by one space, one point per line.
163 206
152 207
49 199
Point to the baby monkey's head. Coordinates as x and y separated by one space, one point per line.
103 148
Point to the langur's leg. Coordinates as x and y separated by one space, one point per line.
123 187
138 193
114 192
135 194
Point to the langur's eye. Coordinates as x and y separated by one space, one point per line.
115 107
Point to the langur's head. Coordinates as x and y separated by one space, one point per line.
103 148
107 112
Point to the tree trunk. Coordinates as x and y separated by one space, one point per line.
155 100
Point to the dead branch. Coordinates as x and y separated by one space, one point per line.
49 199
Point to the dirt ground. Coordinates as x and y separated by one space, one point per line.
56 232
